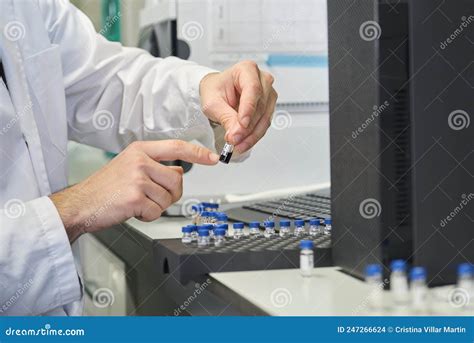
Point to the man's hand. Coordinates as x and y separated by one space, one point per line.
133 184
242 100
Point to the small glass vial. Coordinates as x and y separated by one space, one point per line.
226 153
238 230
373 277
466 283
203 237
419 290
219 237
314 228
269 228
327 226
306 258
221 218
399 283
299 228
284 228
187 234
213 207
210 228
194 234
254 229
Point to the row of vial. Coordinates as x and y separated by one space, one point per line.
410 289
218 230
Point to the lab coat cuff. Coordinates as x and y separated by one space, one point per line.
59 251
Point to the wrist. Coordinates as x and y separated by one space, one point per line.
69 212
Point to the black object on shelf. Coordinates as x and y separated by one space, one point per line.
187 262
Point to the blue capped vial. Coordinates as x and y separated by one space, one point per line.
269 228
399 282
204 218
374 278
284 228
238 230
418 289
299 228
466 277
306 258
219 237
254 229
203 237
213 207
314 227
327 226
221 218
187 232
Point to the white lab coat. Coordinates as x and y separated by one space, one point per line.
67 82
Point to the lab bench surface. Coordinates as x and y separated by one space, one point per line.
282 292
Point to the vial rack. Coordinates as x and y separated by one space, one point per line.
187 262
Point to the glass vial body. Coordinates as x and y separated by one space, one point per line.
306 258
187 234
254 229
299 228
269 229
284 228
418 289
327 226
374 278
219 237
399 283
314 228
238 230
203 238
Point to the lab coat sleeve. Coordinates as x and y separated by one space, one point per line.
117 94
37 270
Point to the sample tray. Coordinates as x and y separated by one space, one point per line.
188 262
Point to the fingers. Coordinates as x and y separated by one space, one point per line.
150 211
159 195
251 91
170 150
166 177
261 127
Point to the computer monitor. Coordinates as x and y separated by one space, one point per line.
401 97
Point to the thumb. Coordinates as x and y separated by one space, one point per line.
228 118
